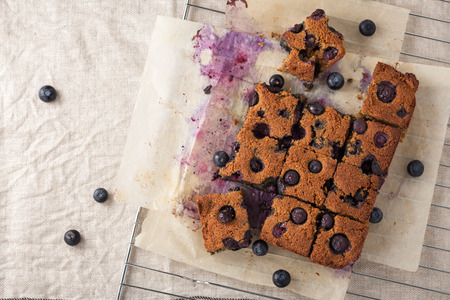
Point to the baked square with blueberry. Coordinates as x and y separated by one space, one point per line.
306 175
353 193
391 96
224 221
291 226
371 146
274 114
341 245
256 160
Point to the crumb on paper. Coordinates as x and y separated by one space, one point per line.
308 86
395 223
350 80
261 44
276 36
235 122
318 274
359 96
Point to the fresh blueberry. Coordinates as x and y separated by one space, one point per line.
260 248
281 278
291 177
221 158
326 221
278 230
316 108
72 237
315 166
380 139
386 92
226 214
376 216
367 27
276 81
100 195
330 53
256 165
335 81
339 244
415 168
253 99
261 130
359 126
317 14
298 216
47 93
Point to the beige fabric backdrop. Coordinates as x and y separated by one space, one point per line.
54 155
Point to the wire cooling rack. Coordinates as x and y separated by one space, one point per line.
431 252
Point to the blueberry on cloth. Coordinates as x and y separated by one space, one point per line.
281 278
72 237
100 195
47 93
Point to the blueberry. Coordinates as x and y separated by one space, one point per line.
380 139
291 177
315 166
386 92
316 108
261 130
367 27
335 81
72 237
256 165
317 14
298 216
326 221
415 168
284 113
47 93
226 214
376 216
260 113
100 195
330 53
260 248
339 244
253 99
278 230
276 81
298 132
297 28
402 112
221 158
310 40
359 126
281 278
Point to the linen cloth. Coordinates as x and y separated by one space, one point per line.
54 155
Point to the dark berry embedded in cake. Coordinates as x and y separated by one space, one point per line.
367 27
258 204
305 174
376 216
47 93
325 221
335 81
341 245
372 150
275 114
415 168
354 192
260 248
281 278
391 96
325 130
221 158
257 160
291 226
313 46
224 221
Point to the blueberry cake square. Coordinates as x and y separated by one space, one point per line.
256 160
274 113
313 46
371 146
341 245
323 129
353 193
391 96
306 175
291 226
224 221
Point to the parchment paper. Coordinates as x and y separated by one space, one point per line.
157 171
261 17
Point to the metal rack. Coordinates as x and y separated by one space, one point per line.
155 293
